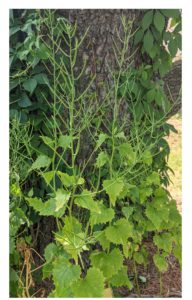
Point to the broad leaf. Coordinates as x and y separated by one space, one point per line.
147 19
61 199
65 141
148 41
42 161
121 279
69 180
113 188
30 85
160 262
85 200
102 159
92 286
164 241
102 215
102 138
159 21
119 232
109 263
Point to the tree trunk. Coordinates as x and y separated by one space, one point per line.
97 46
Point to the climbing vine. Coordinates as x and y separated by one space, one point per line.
105 201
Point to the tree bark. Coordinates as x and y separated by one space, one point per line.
97 46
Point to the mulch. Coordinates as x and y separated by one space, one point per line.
171 280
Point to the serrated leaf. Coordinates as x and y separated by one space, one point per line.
121 279
160 262
153 216
147 19
127 211
113 188
102 138
102 215
119 232
42 161
65 273
61 199
159 21
148 41
147 157
100 236
48 141
92 286
30 85
48 176
126 150
85 200
72 237
65 141
102 159
164 241
69 180
108 263
47 208
153 178
144 193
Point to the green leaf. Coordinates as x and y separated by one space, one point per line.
72 237
173 47
153 178
147 20
147 157
65 141
61 199
85 200
108 263
42 161
30 85
148 41
102 138
92 286
24 101
121 279
119 232
126 151
102 215
127 211
150 96
160 263
48 141
159 21
100 236
48 176
47 208
102 159
144 193
41 78
138 37
51 252
65 274
164 241
68 180
43 52
153 216
113 188
171 13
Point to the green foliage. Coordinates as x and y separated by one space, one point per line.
106 195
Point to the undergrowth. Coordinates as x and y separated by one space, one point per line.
98 166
